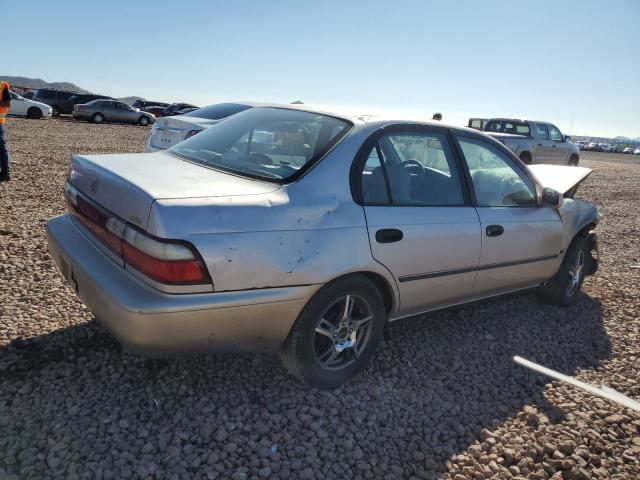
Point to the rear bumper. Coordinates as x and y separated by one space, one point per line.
153 323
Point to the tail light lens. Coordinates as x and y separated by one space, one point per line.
192 133
169 262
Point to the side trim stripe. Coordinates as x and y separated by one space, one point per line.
457 271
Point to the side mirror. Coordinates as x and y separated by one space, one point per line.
551 197
567 138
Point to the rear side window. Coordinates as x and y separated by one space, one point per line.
217 112
555 134
412 168
508 126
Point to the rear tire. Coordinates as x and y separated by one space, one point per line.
34 112
336 333
526 158
144 121
564 287
97 118
573 160
55 111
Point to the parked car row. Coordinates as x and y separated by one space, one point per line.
62 101
161 109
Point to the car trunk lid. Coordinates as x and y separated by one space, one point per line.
128 184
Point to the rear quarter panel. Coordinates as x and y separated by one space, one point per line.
308 232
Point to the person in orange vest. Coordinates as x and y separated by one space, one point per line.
5 103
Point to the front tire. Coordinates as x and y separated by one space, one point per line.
55 111
144 121
573 160
34 112
564 288
336 333
97 118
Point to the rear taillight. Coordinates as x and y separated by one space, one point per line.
163 261
192 133
168 262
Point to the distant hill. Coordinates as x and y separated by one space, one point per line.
130 100
39 83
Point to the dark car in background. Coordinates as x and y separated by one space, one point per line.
157 111
100 111
146 104
88 97
174 108
58 100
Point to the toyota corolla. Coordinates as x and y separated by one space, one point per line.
304 232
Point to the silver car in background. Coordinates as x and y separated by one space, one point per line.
302 231
167 131
100 111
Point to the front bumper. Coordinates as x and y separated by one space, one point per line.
153 323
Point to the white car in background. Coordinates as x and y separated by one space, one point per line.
167 131
23 107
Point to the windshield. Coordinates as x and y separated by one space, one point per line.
508 126
216 112
268 143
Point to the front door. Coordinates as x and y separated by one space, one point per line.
543 148
559 146
421 225
521 240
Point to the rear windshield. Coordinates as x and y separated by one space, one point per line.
216 112
508 126
272 144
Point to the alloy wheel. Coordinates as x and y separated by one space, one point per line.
342 332
575 274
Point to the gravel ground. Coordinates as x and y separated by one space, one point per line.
442 398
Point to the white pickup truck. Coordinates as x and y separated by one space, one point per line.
534 142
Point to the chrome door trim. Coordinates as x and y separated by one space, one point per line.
456 271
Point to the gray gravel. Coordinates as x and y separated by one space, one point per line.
442 398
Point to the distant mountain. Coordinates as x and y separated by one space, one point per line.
622 138
39 83
130 100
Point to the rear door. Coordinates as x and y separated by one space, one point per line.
521 240
18 105
421 225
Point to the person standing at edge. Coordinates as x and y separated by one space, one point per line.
5 102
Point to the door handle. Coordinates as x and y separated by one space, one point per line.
554 145
539 144
389 235
494 230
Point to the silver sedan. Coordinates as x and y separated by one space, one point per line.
305 232
100 111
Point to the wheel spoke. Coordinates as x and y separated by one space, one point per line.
325 328
361 321
329 356
348 306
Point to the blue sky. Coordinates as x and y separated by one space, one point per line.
575 63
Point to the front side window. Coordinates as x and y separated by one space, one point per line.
268 143
411 168
495 180
543 133
555 134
